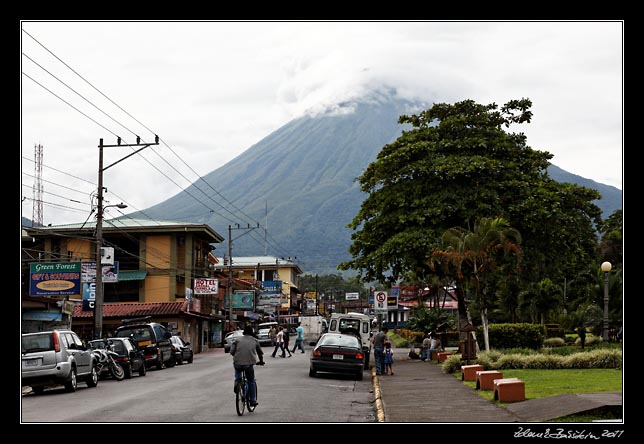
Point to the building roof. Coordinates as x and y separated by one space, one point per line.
129 225
262 261
134 309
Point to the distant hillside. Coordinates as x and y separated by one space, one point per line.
300 180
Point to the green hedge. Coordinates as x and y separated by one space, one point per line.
496 360
514 335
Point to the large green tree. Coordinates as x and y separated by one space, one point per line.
456 164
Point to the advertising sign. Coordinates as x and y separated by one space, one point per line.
54 278
352 296
206 286
242 300
392 299
110 272
89 295
270 297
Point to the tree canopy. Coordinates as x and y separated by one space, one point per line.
459 163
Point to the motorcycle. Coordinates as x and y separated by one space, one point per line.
106 359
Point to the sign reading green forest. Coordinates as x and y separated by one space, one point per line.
54 278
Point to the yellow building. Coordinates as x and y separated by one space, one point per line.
157 262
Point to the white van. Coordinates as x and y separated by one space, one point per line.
354 323
262 332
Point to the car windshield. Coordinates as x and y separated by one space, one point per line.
339 341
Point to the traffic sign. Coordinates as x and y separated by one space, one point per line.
381 302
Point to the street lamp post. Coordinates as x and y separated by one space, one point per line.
606 267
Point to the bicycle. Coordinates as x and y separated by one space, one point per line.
242 400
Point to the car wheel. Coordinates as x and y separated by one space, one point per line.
171 362
92 379
312 373
70 384
180 360
127 370
142 370
190 359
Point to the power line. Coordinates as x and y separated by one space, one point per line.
200 178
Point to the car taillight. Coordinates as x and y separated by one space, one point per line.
317 353
122 359
359 356
56 342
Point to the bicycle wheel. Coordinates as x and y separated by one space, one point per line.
240 398
251 408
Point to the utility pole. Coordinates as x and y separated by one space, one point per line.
230 278
230 266
99 296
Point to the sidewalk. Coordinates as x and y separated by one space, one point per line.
421 392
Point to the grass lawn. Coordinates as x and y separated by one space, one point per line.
542 383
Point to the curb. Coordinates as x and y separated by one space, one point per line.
380 411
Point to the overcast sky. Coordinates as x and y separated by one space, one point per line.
210 90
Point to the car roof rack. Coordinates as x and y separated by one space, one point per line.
142 320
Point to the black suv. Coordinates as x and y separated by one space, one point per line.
150 337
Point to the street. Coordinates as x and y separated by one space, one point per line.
202 392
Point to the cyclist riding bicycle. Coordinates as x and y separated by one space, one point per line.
247 352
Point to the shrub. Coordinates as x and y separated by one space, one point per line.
496 360
600 358
452 364
590 340
554 342
515 335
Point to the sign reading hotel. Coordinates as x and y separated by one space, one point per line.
54 278
206 286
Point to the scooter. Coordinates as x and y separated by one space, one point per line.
106 359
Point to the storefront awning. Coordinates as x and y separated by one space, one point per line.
48 316
132 275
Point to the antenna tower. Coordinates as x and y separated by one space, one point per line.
36 217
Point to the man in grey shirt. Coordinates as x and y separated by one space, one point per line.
379 350
247 352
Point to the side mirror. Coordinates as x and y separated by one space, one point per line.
187 343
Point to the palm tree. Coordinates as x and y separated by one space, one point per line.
474 255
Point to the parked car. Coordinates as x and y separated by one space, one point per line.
337 353
182 350
56 357
230 338
129 356
150 337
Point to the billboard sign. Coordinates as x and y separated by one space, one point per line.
352 296
270 297
54 278
242 300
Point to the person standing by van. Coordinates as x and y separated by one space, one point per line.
379 350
